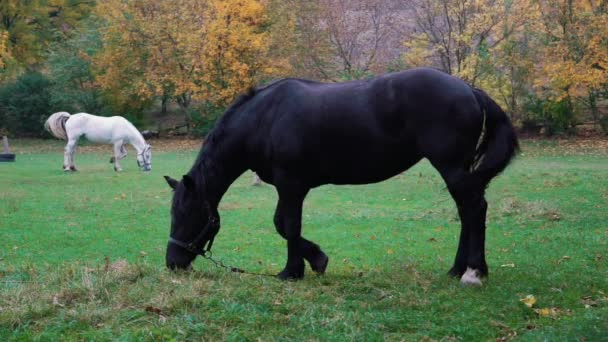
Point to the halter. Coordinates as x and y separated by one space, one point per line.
213 226
142 155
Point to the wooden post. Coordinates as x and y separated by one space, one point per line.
5 144
6 156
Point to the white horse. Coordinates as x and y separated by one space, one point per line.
114 130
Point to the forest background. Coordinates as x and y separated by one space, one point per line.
174 66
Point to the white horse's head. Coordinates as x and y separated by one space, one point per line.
144 158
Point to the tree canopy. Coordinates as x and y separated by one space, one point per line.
544 60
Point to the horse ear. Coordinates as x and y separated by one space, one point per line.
188 182
172 182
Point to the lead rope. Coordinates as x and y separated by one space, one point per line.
219 264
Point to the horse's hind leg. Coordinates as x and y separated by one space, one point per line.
468 193
68 155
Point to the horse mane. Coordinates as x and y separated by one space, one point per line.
217 132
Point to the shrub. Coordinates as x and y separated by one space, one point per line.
25 104
556 117
203 117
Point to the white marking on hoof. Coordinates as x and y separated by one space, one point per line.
471 278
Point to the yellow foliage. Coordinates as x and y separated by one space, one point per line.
575 59
207 50
4 51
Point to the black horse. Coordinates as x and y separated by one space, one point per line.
298 134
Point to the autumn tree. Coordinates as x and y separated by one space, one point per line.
480 41
573 50
69 67
340 39
27 27
186 49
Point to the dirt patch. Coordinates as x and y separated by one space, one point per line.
30 146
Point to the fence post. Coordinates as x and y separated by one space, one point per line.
6 155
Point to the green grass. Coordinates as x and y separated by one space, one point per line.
82 255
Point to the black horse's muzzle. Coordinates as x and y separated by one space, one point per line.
178 258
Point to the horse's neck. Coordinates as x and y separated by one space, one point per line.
217 170
136 139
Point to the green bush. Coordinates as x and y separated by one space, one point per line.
556 117
202 118
25 104
604 124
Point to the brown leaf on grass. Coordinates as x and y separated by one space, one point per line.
588 302
153 310
564 258
554 216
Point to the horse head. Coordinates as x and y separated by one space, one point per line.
193 224
144 158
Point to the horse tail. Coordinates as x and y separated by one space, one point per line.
55 125
497 144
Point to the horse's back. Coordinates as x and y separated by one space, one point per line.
363 131
100 129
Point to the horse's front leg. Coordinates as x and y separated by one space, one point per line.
288 222
123 154
310 251
117 156
68 155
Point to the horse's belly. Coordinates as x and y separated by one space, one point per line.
98 137
366 167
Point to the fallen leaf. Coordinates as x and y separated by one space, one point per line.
528 300
508 265
153 310
56 301
544 312
550 312
389 251
588 302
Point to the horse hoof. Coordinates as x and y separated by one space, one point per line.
291 276
456 271
320 264
73 168
471 278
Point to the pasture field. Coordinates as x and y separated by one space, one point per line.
82 254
